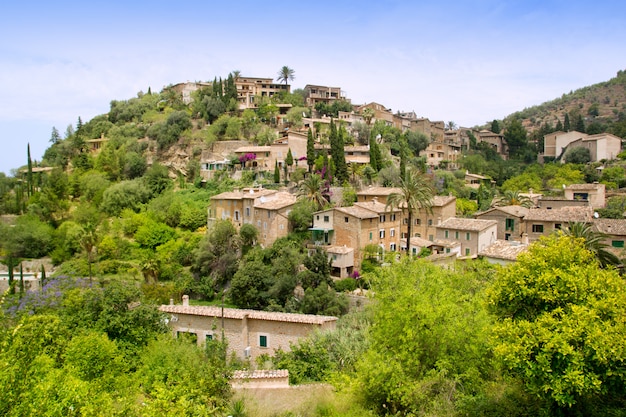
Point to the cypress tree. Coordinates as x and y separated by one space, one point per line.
289 158
337 153
310 149
566 123
559 126
276 173
30 172
580 124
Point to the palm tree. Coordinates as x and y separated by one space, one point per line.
285 74
513 198
312 189
416 192
594 242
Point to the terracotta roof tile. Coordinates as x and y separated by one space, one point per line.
234 313
475 225
563 214
504 249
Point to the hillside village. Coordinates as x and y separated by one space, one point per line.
240 212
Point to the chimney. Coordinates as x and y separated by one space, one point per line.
525 238
185 300
171 301
375 200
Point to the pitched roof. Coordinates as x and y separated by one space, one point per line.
235 313
472 225
253 149
504 249
379 191
376 206
610 226
358 212
275 201
562 214
442 200
517 211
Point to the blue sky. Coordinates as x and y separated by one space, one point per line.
463 61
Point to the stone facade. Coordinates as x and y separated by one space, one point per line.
249 333
474 235
510 220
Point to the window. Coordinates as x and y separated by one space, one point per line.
405 221
507 236
447 250
418 222
317 217
430 237
617 243
467 251
557 226
247 211
509 224
381 233
456 235
237 215
264 225
392 217
537 228
345 219
382 218
269 214
446 234
468 236
208 338
263 340
392 247
392 232
430 222
326 219
371 236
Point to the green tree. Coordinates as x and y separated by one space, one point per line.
312 189
337 152
566 123
286 74
593 242
276 173
416 192
515 136
310 149
495 126
513 198
578 155
559 327
428 343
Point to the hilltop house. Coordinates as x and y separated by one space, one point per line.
541 222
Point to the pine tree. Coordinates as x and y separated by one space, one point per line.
310 149
566 123
55 136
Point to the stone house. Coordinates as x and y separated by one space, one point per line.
594 194
555 143
475 180
441 152
495 140
249 333
314 94
250 90
267 210
510 220
474 235
355 227
541 222
603 146
424 221
266 157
